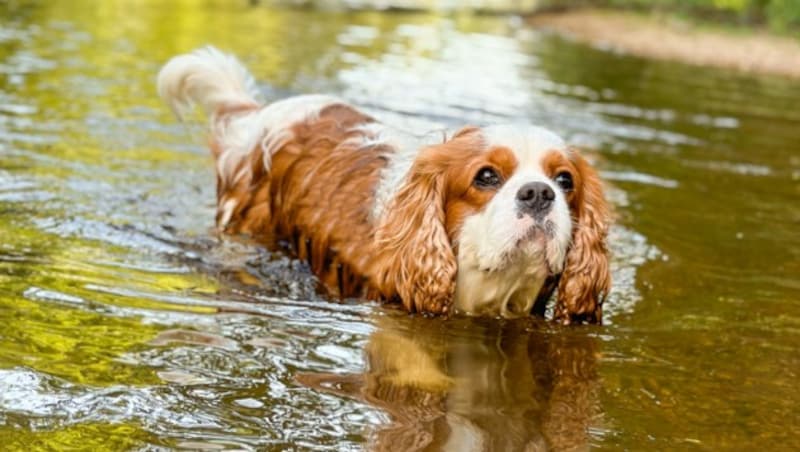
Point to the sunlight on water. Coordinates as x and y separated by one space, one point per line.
128 323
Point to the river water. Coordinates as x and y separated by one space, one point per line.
129 324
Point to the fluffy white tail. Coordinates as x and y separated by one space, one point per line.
215 80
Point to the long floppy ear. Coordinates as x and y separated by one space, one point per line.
415 257
586 279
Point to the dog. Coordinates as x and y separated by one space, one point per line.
485 221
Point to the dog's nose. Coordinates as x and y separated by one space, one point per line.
535 197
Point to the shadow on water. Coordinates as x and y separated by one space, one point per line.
128 324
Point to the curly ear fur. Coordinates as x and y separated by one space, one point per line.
416 260
586 279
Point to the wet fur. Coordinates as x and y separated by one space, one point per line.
307 171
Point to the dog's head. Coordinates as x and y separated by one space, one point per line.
485 218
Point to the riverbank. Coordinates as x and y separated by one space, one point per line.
668 38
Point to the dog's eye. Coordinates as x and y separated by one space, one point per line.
487 178
564 180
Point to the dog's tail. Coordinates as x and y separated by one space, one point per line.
216 81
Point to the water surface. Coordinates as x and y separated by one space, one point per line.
129 324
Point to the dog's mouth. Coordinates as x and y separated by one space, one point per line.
530 245
540 232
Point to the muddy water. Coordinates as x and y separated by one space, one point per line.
128 324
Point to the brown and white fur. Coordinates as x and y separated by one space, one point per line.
380 213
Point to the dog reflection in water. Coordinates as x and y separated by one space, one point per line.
482 386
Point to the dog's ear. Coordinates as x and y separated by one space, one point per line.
415 257
586 279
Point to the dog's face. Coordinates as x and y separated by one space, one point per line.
520 235
494 213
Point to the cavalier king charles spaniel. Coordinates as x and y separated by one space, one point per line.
486 221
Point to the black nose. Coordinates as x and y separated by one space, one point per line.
535 197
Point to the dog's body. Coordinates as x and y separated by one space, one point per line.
484 221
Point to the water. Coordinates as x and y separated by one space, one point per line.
128 324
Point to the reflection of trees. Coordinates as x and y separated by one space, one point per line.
575 64
296 49
282 46
485 387
59 306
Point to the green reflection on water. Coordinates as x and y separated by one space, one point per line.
60 326
98 437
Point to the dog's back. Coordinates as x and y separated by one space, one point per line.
303 169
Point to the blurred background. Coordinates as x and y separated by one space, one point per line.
776 14
129 324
